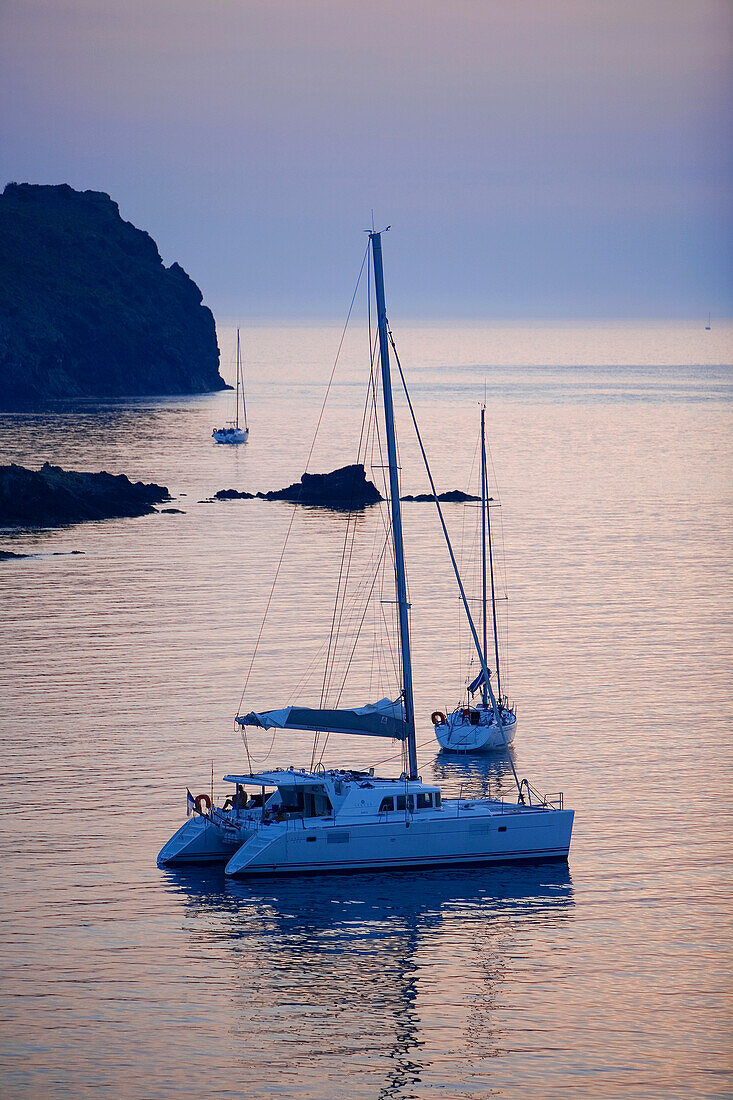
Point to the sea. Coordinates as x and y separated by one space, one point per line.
129 645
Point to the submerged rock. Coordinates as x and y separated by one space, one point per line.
87 308
345 490
52 497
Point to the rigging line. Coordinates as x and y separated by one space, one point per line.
246 748
367 605
399 755
307 463
344 570
339 607
452 556
338 353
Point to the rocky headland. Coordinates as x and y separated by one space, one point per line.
87 308
52 497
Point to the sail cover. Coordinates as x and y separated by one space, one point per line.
475 684
386 718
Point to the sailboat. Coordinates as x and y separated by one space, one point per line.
233 433
476 728
707 326
340 819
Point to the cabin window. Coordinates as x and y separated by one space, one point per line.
424 800
386 805
437 799
292 800
502 828
322 805
317 805
401 802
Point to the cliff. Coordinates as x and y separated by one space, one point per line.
87 308
52 497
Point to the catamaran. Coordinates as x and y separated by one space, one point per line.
475 727
320 819
232 432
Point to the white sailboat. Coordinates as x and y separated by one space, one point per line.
319 820
234 432
476 727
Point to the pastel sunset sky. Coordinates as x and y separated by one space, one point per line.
535 158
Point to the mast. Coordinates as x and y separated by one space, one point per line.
484 497
484 516
236 407
241 372
394 494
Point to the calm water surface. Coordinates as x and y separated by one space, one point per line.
123 667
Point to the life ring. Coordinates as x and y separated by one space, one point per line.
437 718
202 798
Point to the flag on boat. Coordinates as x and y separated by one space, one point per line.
385 718
190 803
476 684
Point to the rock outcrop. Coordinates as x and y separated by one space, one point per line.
52 497
87 308
452 496
343 490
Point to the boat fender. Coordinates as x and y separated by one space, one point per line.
437 718
202 798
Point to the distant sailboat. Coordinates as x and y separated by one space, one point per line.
493 723
233 433
707 326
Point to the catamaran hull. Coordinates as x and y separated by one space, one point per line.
536 835
463 737
199 840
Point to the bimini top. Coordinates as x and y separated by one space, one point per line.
285 777
386 718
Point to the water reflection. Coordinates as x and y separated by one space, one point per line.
484 775
373 967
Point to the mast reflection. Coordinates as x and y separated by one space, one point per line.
369 968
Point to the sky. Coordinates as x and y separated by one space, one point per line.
534 158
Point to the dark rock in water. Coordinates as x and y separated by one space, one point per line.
8 555
51 497
453 496
87 308
231 494
344 490
172 511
